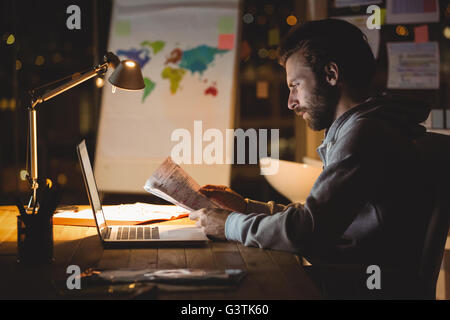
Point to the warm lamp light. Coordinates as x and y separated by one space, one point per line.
127 76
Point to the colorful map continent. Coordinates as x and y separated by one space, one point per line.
149 86
157 46
199 58
175 76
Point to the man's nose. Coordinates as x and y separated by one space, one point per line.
292 102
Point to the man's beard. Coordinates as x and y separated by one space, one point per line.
321 106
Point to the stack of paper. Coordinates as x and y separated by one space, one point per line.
129 214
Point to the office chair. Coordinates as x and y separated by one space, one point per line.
349 281
435 149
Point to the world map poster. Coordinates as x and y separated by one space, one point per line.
187 54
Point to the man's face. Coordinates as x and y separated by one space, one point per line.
310 96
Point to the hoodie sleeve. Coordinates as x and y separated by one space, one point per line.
354 170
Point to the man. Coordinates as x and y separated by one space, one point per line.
369 204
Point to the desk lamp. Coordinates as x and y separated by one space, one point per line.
127 75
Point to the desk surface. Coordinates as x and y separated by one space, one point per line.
271 274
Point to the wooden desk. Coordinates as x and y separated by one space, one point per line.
271 274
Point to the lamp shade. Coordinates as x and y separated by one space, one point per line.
127 76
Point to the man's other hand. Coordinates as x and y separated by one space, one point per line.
225 197
212 221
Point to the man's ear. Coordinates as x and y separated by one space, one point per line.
332 73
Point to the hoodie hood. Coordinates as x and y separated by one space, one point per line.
404 113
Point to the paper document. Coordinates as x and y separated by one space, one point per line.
126 214
171 183
413 65
351 3
412 11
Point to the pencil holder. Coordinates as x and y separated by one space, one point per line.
34 239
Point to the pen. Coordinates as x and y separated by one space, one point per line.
35 204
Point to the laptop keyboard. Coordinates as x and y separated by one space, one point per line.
134 233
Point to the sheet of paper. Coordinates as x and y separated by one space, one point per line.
351 3
130 213
373 36
412 11
413 65
171 183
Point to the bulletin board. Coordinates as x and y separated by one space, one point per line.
411 49
187 53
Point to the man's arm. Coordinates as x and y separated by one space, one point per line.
356 167
226 198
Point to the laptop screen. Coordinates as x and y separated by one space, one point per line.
91 185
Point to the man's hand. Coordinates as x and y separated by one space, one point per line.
212 221
225 197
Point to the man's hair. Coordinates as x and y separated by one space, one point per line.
332 40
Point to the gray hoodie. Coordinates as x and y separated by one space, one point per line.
370 203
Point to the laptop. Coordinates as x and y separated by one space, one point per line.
133 235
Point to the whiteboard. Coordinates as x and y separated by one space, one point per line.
187 52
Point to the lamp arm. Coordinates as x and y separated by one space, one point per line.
99 70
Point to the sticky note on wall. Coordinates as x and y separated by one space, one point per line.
383 15
274 37
226 25
262 89
421 34
122 28
225 42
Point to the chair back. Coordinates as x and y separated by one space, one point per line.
435 151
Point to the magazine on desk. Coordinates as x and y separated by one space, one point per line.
171 183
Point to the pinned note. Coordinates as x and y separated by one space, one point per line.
262 89
413 65
407 11
123 28
226 42
383 16
274 37
421 34
226 25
